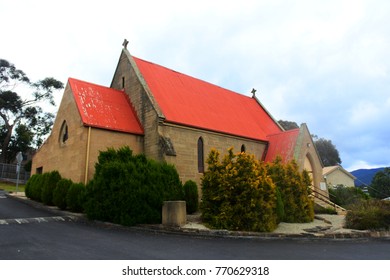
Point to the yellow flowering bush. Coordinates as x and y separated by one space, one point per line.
294 187
238 194
242 193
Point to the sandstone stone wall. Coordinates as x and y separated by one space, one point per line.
185 143
70 157
128 78
307 158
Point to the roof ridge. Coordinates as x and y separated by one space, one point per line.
284 132
328 169
85 82
193 77
198 103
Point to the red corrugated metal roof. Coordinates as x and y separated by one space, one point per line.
104 107
192 102
282 144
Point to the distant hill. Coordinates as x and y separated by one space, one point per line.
364 176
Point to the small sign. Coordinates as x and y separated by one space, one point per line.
19 157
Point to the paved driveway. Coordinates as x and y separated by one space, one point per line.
67 238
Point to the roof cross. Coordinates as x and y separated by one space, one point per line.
125 43
253 92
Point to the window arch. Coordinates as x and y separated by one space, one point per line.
243 148
200 155
64 133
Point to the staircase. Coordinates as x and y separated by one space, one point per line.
324 201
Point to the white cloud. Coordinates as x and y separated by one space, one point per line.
365 113
361 164
325 63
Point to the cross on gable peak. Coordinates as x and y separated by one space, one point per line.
253 92
125 43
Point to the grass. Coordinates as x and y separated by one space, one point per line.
10 187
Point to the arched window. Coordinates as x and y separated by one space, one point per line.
243 148
200 155
63 133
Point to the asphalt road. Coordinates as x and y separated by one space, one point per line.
30 233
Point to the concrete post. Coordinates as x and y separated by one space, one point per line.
174 213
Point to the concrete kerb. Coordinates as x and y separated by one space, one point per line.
202 231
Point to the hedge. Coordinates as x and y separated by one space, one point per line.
129 190
75 197
32 185
191 196
49 183
60 193
65 194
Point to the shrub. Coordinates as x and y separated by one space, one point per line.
30 185
294 189
191 196
238 194
49 183
347 196
279 206
33 187
60 193
129 189
369 215
75 197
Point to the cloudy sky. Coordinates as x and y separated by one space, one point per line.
324 63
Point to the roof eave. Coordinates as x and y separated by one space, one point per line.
215 131
114 129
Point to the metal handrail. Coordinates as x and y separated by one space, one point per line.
327 200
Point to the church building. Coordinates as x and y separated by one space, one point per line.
167 116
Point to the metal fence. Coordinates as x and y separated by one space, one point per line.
8 172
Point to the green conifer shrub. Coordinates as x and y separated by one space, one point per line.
191 196
34 188
130 190
49 183
75 197
31 184
60 193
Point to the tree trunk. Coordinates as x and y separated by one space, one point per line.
4 153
